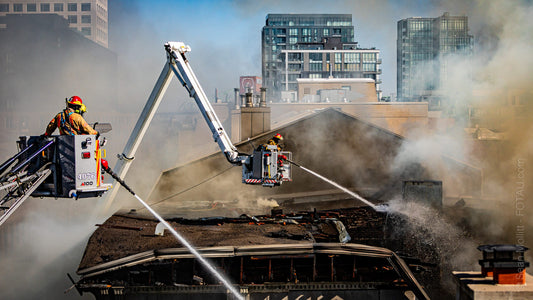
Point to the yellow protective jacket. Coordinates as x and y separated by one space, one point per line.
69 123
269 143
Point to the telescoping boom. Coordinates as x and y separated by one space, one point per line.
181 68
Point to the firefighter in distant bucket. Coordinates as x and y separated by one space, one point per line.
70 121
275 140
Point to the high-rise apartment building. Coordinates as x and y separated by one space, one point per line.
329 63
87 16
311 46
425 48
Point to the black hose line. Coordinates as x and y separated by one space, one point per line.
115 176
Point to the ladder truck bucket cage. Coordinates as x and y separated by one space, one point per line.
59 166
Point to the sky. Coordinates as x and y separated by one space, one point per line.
225 36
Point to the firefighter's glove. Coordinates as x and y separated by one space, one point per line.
283 157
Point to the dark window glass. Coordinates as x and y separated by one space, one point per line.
31 7
86 30
45 6
72 6
72 19
4 7
17 7
86 19
86 7
58 6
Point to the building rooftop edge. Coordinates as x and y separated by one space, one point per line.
335 80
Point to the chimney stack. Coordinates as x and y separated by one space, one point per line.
237 98
249 99
262 101
251 120
504 263
503 275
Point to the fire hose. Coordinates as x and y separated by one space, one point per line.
105 166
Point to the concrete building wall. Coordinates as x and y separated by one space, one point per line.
357 90
251 121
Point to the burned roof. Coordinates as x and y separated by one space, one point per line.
126 245
126 234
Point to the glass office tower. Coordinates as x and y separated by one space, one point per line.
425 48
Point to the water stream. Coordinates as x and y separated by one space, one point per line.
193 251
356 196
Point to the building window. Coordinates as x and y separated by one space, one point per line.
326 31
73 7
369 67
58 6
31 7
280 40
295 57
86 19
338 57
315 57
295 67
293 77
315 66
45 7
351 57
17 7
86 30
86 7
73 19
351 67
4 7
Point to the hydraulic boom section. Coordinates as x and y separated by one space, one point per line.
181 68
